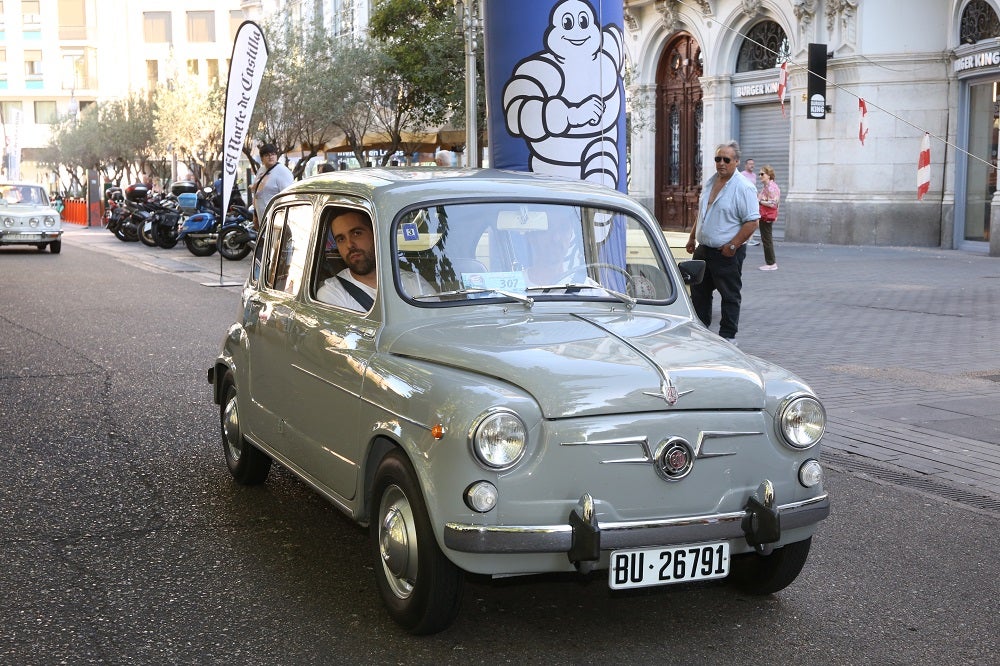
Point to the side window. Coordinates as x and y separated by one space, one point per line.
288 248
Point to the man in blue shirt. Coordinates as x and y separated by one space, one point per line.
728 215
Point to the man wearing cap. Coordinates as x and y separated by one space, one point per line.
271 178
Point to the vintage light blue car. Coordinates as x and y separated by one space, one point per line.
27 218
528 391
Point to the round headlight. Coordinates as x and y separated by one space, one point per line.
498 439
33 222
802 421
50 221
8 222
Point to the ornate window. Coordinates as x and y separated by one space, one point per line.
764 46
979 22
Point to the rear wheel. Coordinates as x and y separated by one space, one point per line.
420 587
767 574
229 243
166 235
248 464
200 247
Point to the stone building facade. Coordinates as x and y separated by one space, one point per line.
706 71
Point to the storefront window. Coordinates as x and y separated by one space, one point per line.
981 182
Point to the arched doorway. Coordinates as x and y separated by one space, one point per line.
678 133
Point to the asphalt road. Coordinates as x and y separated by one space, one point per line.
124 540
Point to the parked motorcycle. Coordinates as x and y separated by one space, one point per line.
237 236
200 232
166 221
115 213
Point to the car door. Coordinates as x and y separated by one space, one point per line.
273 327
330 364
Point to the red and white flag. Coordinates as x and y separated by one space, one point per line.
924 167
863 127
782 81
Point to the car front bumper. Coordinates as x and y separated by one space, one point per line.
583 536
29 237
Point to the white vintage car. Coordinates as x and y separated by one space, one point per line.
27 218
525 389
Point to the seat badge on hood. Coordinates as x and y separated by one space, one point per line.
668 391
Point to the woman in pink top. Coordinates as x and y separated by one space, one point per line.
768 198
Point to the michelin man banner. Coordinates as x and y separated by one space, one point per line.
554 88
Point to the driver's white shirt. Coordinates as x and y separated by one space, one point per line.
333 292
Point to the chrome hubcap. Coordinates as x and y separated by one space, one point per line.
397 542
231 430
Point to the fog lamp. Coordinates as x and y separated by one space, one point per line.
481 496
811 473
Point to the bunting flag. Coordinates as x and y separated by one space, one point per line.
245 71
924 167
863 127
782 81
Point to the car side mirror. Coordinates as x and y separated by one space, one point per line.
692 270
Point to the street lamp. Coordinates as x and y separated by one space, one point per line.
469 14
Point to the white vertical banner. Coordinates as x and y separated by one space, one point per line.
245 71
16 122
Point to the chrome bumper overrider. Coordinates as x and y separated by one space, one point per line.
624 534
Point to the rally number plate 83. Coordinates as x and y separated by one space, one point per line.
662 566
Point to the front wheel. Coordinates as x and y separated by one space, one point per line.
229 243
248 464
767 574
420 587
147 235
200 247
55 247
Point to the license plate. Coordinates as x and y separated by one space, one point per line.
663 566
21 237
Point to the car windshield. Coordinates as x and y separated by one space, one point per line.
28 195
527 252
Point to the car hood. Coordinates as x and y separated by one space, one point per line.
577 365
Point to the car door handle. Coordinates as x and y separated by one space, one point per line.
365 332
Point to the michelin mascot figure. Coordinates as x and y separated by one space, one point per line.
563 99
555 96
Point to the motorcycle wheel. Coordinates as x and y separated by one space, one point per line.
166 236
200 247
121 234
147 237
232 250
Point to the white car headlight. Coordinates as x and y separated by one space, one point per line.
50 221
33 223
8 221
498 439
801 421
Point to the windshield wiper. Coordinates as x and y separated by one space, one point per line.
624 298
520 298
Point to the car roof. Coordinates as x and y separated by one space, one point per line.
399 187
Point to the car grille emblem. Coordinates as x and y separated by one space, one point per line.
674 459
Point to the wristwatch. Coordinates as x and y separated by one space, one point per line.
732 247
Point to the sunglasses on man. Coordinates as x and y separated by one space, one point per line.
720 158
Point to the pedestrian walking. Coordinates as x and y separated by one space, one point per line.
769 197
727 217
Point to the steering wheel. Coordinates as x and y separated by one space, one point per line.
629 280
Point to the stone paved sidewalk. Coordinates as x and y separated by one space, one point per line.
902 345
